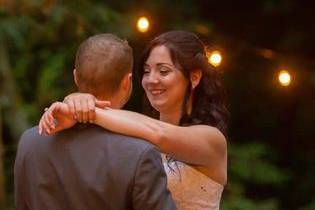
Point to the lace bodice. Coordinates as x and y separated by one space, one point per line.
191 189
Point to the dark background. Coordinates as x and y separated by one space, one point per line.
271 132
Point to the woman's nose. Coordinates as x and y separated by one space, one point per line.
152 78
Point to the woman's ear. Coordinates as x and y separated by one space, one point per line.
195 77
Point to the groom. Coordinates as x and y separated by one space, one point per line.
86 167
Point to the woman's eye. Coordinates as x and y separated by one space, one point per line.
145 71
164 70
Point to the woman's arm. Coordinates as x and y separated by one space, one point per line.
56 118
200 145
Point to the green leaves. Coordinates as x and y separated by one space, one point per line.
251 166
253 163
49 75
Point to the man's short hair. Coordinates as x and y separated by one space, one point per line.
101 63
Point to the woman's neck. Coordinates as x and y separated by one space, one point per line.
173 116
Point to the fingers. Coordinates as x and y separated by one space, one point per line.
40 126
71 106
91 108
85 111
78 110
46 123
102 104
43 125
82 106
50 120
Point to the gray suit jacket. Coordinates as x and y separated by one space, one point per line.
88 168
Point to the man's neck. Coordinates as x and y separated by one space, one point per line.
115 101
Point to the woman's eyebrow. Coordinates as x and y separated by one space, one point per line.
168 64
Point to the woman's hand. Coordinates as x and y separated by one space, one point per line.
56 118
82 106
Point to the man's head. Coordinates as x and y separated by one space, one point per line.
103 68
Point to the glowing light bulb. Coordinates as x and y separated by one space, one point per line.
143 24
284 78
215 58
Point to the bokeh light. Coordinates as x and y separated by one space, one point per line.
143 24
215 58
284 78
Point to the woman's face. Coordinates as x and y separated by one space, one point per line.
164 84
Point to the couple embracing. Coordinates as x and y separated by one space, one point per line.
87 153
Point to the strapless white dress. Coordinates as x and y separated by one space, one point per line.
191 189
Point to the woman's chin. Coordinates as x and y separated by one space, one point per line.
158 106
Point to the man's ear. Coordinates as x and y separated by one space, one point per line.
75 77
126 81
195 77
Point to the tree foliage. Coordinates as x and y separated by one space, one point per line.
38 40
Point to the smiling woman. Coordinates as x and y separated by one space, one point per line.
181 85
184 53
158 81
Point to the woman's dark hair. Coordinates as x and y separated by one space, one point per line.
188 53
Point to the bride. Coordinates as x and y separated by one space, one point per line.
183 88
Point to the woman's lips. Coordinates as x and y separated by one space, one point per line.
156 92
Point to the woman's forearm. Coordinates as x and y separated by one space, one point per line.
200 145
129 123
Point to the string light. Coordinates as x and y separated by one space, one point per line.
143 24
284 78
215 58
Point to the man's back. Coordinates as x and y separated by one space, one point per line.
87 167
